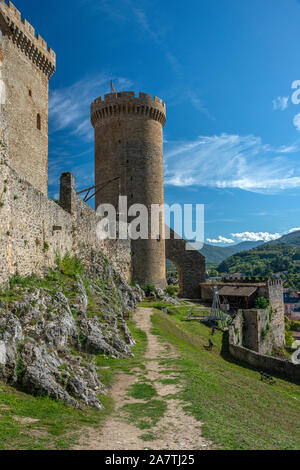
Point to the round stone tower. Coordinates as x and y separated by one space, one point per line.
129 145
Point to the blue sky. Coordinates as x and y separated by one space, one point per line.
225 68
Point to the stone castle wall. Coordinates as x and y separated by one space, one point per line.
262 330
262 362
26 64
129 145
33 228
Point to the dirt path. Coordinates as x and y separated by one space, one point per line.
175 430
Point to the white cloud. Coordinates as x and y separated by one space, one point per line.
296 122
69 108
256 236
232 161
220 239
280 103
251 236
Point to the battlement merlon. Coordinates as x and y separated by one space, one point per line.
23 35
127 102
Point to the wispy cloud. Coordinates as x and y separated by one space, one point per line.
139 17
280 103
69 108
232 161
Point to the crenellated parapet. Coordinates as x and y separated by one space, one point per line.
275 282
126 102
23 35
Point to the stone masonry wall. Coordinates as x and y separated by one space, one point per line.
259 330
25 68
129 146
261 362
190 265
275 294
34 228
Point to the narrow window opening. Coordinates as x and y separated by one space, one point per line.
38 122
30 92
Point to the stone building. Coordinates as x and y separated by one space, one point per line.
262 330
26 65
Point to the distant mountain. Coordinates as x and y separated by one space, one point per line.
216 254
278 256
289 239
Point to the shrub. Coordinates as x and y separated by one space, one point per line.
68 265
287 323
261 302
171 291
45 247
295 325
289 338
149 289
264 333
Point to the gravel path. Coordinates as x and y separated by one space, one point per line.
176 430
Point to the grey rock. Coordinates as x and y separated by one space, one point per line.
47 338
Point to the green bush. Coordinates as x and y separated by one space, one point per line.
264 333
171 291
287 323
149 289
295 325
261 302
68 265
289 339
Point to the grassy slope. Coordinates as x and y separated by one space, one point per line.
238 411
57 425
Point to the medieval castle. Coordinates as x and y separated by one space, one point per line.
128 150
128 156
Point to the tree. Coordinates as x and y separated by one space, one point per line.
261 302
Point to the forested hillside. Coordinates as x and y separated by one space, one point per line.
216 254
280 256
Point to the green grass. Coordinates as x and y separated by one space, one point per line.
58 426
145 415
148 437
237 409
142 391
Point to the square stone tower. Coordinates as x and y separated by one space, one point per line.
26 65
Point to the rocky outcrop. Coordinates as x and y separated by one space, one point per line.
51 328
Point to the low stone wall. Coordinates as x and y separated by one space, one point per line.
33 228
266 363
